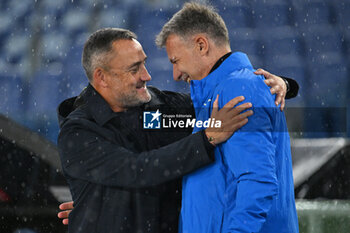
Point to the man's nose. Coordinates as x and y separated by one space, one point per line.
176 73
145 75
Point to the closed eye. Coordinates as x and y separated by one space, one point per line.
173 60
134 68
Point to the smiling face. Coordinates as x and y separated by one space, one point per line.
125 77
188 63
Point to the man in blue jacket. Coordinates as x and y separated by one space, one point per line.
249 188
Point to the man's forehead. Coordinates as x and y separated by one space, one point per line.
128 50
174 44
126 54
172 39
126 46
169 46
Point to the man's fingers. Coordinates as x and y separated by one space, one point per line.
279 98
283 102
239 120
65 221
270 82
266 74
215 105
234 102
273 90
242 116
237 110
259 71
247 114
66 206
238 125
63 214
277 89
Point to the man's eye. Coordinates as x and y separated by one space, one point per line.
134 71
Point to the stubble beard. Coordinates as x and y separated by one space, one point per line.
134 99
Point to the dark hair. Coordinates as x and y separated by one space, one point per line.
99 45
195 18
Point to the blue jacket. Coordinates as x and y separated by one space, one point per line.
250 187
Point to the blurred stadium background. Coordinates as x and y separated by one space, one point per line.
41 43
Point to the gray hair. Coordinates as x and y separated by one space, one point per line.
99 46
195 18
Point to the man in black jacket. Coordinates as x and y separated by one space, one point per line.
124 178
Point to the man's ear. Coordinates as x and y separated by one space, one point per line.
99 77
202 44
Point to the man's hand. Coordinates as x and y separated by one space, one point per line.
66 208
231 119
277 85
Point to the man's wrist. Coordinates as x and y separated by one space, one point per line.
211 138
293 87
287 84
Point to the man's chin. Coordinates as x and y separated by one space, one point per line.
147 98
144 96
138 98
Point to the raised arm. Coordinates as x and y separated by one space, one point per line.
98 160
231 121
284 88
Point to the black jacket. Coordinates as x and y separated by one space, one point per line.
124 178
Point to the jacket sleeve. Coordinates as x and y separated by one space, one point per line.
100 161
250 155
293 88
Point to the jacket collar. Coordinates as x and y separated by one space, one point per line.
220 61
201 89
97 106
